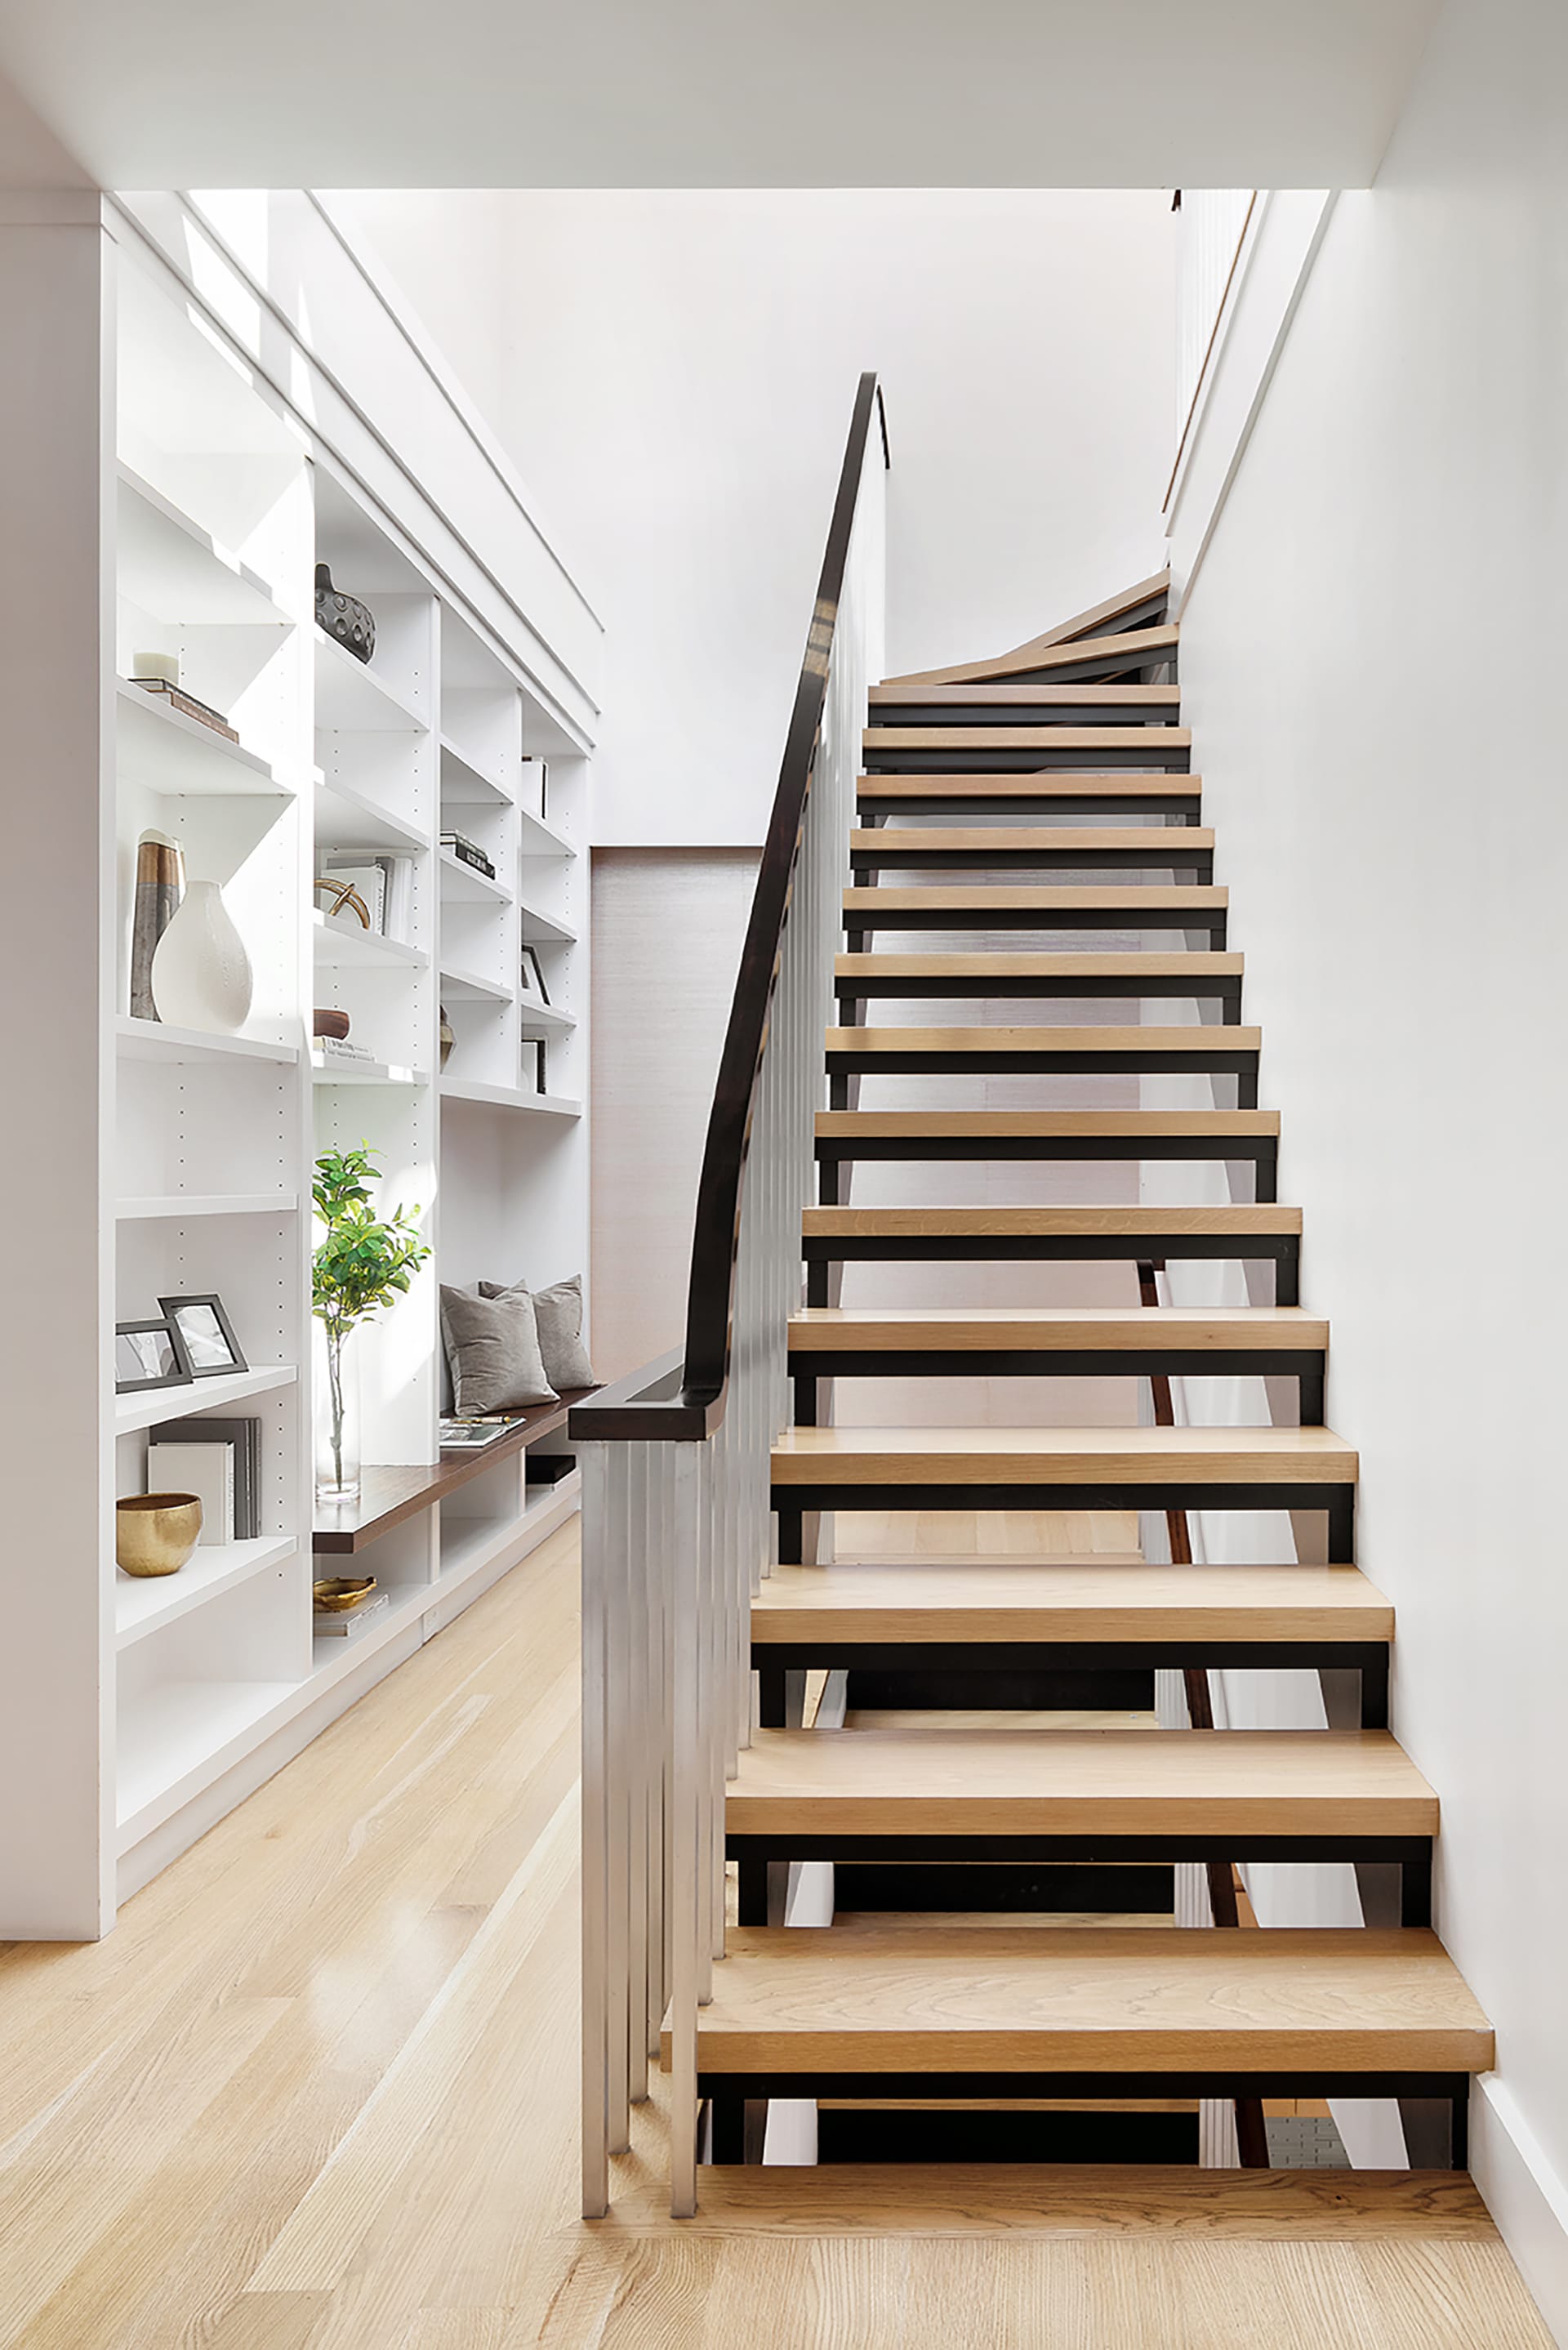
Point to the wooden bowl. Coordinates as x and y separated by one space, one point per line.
328 1022
340 1595
154 1534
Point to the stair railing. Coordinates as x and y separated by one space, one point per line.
677 1528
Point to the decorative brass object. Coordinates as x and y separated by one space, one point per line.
340 1595
154 1534
342 893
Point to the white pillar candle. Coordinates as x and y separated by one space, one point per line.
163 665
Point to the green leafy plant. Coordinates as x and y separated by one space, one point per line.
361 1265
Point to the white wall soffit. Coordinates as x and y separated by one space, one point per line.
617 93
280 274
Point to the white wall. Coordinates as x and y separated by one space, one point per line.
1369 660
676 389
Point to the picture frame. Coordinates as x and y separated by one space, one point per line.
207 1336
150 1353
534 987
534 1065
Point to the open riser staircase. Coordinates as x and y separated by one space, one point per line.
996 1973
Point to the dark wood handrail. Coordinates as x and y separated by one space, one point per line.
653 1404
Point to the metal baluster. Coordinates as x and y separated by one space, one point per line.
686 1822
595 1888
615 1568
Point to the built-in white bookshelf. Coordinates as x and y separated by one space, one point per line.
230 471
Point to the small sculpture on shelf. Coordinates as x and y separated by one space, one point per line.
348 621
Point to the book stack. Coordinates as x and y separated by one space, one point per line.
459 844
331 1626
219 1461
386 884
344 1050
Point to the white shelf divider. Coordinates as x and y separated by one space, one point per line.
181 1205
542 839
461 880
177 572
464 782
358 948
364 1073
464 986
144 1605
164 750
510 1097
352 697
156 1040
347 818
145 1407
548 927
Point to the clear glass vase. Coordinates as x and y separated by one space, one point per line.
336 1391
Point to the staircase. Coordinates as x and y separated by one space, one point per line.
908 2007
968 1808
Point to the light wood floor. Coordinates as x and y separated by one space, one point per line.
318 2091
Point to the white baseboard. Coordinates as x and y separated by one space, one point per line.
1525 2196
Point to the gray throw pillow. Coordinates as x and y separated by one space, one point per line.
558 1313
492 1344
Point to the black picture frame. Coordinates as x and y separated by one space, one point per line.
179 1373
531 965
174 1307
534 1065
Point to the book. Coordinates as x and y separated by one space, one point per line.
341 1049
245 1435
399 906
187 704
205 1469
460 846
534 1065
347 1627
472 1435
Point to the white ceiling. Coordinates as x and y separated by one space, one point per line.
713 93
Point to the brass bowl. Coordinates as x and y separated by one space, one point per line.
154 1534
340 1595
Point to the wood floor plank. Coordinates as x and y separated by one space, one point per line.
340 1907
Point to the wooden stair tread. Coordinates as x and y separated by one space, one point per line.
988 737
1174 842
1067 1456
1195 964
1082 624
1044 783
1138 647
1145 1998
1166 2201
1076 1329
976 694
1029 1223
1069 1600
895 1125
1088 1037
1057 896
943 1780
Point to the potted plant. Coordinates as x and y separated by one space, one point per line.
363 1263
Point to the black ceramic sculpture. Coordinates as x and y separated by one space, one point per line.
353 624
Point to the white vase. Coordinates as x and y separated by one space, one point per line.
201 971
